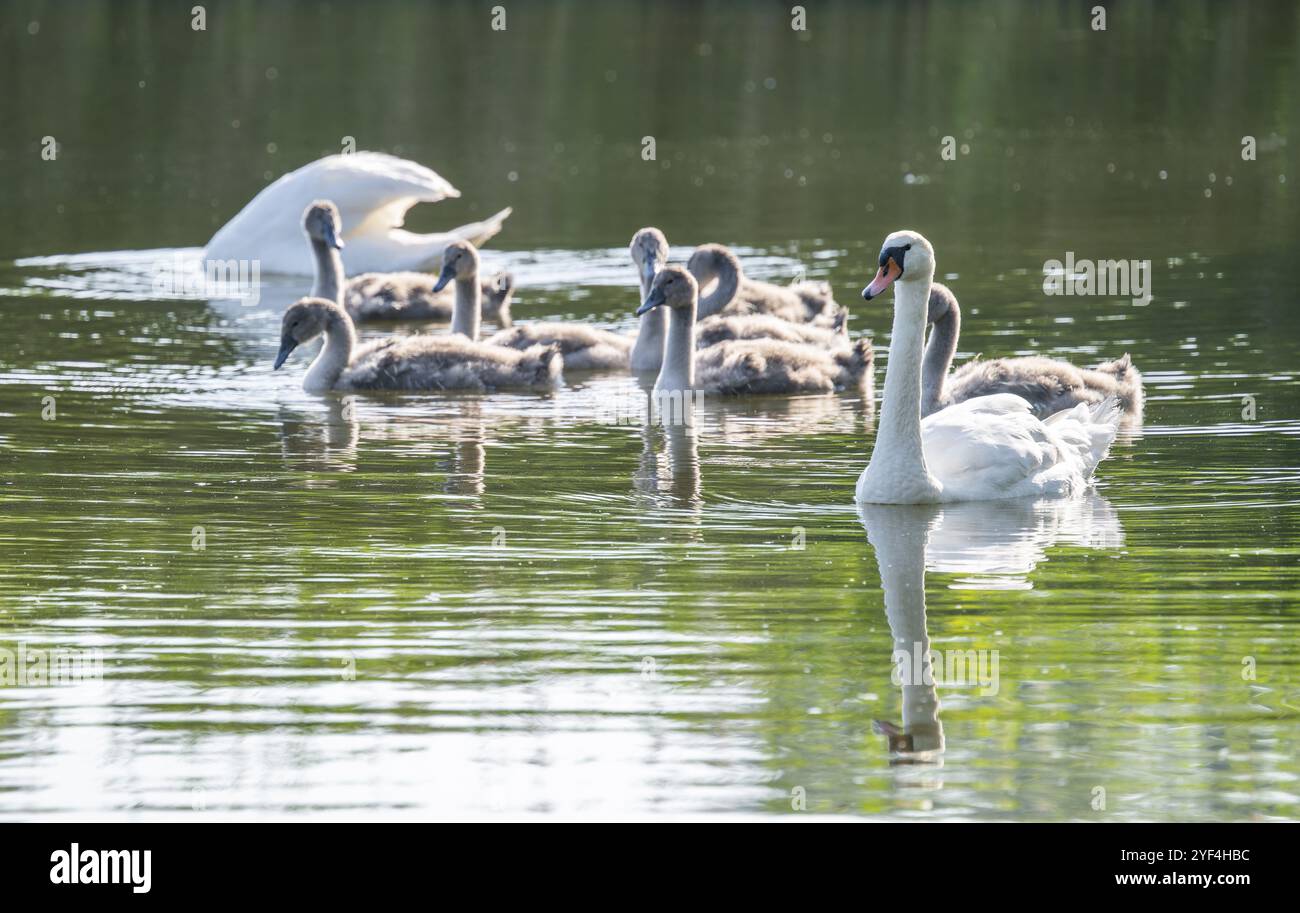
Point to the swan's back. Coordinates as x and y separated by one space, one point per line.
409 296
1049 385
724 326
774 366
585 348
995 447
450 362
803 302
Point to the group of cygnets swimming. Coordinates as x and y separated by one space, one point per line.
1000 428
744 337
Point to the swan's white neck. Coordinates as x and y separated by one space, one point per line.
329 272
648 349
335 355
897 473
899 533
467 312
678 371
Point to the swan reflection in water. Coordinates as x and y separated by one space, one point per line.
992 545
326 440
673 426
669 468
321 443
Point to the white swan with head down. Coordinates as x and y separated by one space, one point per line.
373 192
981 449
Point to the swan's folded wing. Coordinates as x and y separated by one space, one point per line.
989 443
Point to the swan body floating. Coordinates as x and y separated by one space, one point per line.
424 362
722 327
985 448
744 366
588 348
402 297
802 302
373 192
1047 384
581 347
585 348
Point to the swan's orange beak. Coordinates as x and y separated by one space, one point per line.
884 279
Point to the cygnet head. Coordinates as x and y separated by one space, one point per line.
305 319
904 257
709 260
322 223
497 294
649 249
674 286
459 261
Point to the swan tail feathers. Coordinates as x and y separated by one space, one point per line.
1128 380
1106 412
478 233
1103 425
550 365
855 363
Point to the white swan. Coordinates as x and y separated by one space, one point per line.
1049 384
984 448
373 192
746 365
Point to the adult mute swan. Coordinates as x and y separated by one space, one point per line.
445 362
373 192
1047 384
984 448
744 366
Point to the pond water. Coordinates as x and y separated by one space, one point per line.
456 606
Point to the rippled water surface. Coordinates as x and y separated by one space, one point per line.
454 606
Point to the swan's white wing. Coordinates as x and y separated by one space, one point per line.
396 250
986 447
373 192
994 447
